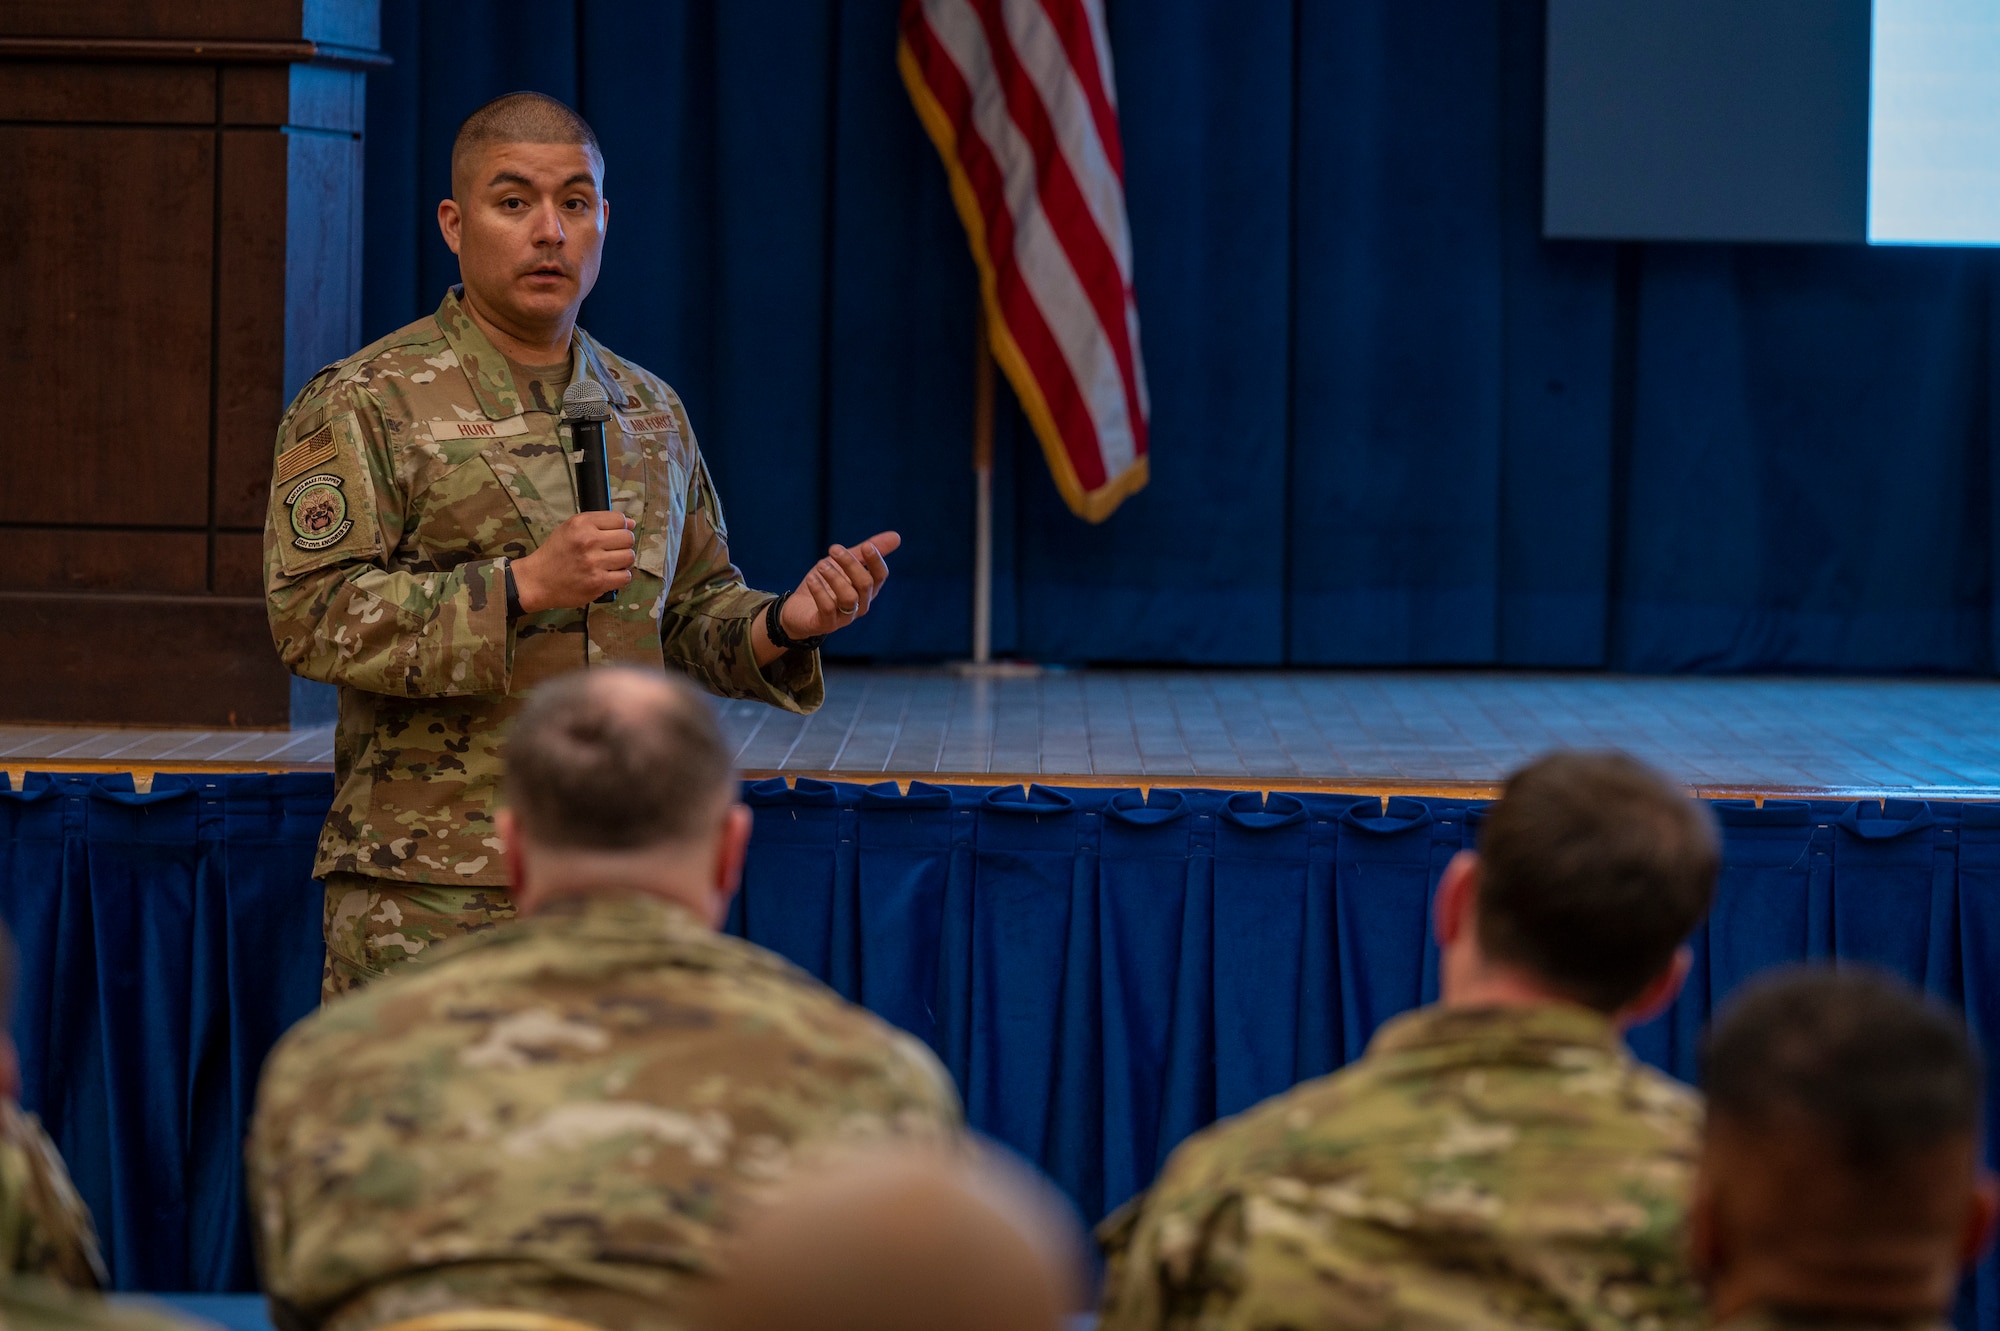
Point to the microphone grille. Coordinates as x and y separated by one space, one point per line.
584 400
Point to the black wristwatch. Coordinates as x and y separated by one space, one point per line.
513 593
776 631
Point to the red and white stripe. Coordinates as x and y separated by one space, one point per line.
1018 96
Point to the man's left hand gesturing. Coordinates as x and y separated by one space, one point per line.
837 591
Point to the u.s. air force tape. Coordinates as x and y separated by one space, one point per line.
319 512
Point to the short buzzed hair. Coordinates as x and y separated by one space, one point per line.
522 117
1857 1053
1594 869
616 760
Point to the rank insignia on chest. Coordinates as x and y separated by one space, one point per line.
319 512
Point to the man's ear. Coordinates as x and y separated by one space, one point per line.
1659 992
1704 1242
730 849
449 222
1979 1220
1457 897
514 851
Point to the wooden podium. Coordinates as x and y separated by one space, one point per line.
186 253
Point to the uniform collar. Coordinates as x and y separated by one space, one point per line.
487 371
1540 1034
628 918
622 915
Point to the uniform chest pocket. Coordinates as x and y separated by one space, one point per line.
464 513
655 484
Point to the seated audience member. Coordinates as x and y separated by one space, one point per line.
903 1240
1498 1160
1840 1182
564 1114
45 1228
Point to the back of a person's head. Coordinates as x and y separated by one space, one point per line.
1594 870
903 1239
611 761
1840 1170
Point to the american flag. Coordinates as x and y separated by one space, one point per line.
1018 97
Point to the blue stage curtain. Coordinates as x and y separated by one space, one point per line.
166 940
1102 972
1391 424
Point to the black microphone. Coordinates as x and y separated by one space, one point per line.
586 409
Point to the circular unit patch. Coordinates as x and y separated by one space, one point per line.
319 512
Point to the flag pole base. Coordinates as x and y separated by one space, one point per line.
996 669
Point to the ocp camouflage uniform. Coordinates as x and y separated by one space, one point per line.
406 476
1481 1169
45 1228
563 1115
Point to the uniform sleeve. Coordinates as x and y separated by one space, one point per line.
271 1158
45 1228
339 612
706 628
1173 1263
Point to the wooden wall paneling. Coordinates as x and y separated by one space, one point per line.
191 200
108 91
107 323
239 564
239 20
140 660
295 96
256 94
312 253
349 23
103 560
323 254
250 325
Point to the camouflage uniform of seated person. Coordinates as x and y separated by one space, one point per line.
1497 1162
1840 1186
423 549
45 1229
570 1113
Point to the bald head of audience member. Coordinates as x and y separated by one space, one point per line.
619 782
1840 1175
904 1240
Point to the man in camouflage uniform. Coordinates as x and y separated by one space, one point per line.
423 548
569 1114
45 1229
1840 1185
1493 1163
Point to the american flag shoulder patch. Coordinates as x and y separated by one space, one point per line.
309 452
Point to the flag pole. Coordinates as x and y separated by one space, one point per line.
982 471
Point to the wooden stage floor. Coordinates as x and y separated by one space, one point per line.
1448 733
